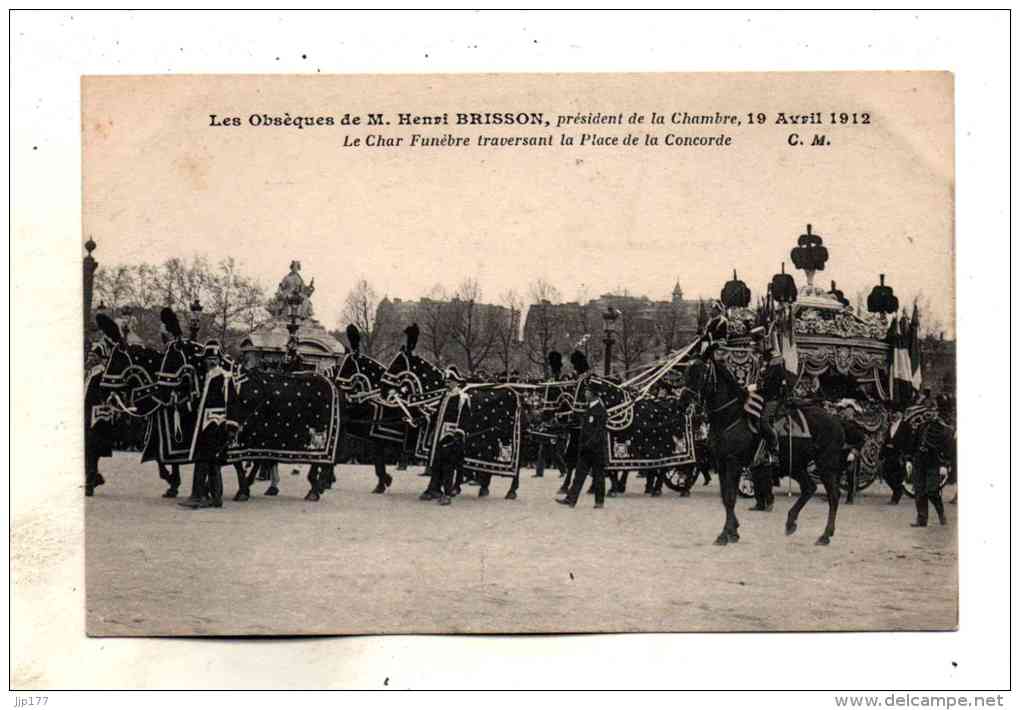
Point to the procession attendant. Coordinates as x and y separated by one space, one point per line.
213 432
98 419
894 454
591 451
450 450
935 450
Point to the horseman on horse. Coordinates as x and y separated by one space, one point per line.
809 438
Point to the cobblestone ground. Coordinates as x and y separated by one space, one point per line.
361 563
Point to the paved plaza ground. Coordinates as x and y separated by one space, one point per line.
357 563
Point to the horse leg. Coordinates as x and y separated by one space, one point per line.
617 483
831 482
567 478
242 483
483 484
315 478
724 483
807 491
383 479
731 502
273 468
512 493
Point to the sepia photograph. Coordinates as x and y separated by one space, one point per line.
525 368
525 350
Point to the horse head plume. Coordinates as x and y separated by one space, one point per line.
109 327
354 337
411 332
170 322
555 363
579 361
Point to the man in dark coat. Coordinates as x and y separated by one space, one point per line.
591 444
212 433
894 453
98 418
934 451
449 453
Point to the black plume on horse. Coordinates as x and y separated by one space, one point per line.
733 445
109 327
170 322
354 337
555 363
412 333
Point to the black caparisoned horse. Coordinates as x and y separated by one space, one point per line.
490 419
645 434
360 378
133 387
734 444
282 417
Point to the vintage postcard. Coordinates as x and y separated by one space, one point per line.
519 353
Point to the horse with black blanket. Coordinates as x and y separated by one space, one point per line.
133 384
734 443
360 378
647 434
489 415
287 417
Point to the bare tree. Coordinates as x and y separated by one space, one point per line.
114 286
507 329
634 336
931 325
543 326
233 299
435 321
473 325
668 325
360 309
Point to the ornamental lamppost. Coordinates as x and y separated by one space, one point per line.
89 266
609 330
195 321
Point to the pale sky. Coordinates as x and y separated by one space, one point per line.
160 182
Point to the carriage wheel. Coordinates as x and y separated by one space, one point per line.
745 486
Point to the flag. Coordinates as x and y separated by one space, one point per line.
788 346
901 386
914 349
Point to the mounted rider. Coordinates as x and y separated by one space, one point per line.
716 329
774 392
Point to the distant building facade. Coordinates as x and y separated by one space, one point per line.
645 330
479 338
